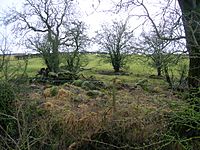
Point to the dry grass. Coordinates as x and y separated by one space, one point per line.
139 116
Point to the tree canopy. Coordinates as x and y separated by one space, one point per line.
116 41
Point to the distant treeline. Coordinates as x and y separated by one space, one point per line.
26 56
22 56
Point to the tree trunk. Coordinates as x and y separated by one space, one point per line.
55 52
116 63
55 61
159 71
168 79
116 68
191 18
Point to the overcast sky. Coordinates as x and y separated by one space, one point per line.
94 18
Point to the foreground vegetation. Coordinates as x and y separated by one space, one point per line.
68 99
101 110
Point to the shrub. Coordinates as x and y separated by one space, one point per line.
185 126
7 96
94 93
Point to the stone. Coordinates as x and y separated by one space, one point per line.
94 93
78 82
87 85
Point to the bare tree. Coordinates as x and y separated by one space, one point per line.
155 49
42 45
4 56
189 13
10 68
116 41
78 42
3 50
43 17
161 52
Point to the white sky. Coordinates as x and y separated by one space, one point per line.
94 18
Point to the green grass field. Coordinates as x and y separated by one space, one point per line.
137 68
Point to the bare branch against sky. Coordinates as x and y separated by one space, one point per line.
97 12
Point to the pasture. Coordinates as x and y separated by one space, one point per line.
137 67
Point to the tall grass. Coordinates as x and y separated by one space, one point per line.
132 116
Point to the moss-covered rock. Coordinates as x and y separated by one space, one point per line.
52 75
87 85
94 93
99 85
156 89
78 82
67 75
143 84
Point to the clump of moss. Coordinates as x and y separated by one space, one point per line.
78 82
54 91
50 92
